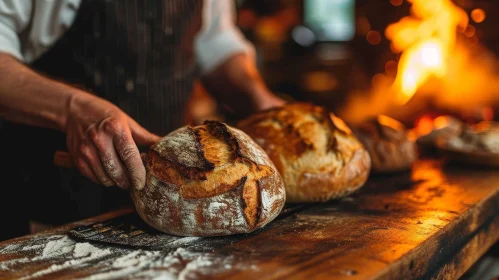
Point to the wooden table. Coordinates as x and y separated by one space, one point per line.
433 223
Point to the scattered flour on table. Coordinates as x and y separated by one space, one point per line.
81 254
186 264
179 264
184 241
57 247
120 263
30 247
130 264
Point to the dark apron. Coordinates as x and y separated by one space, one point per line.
136 54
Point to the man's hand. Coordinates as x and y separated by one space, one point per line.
237 85
102 141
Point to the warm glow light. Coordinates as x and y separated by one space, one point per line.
319 81
478 15
377 79
426 39
440 72
431 55
389 122
396 2
416 66
441 122
473 40
488 114
391 68
373 37
424 125
470 31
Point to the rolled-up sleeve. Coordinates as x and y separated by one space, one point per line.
219 38
14 18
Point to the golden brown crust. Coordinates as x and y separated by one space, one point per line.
388 144
226 185
481 138
317 156
443 127
351 177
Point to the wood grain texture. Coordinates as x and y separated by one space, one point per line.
433 223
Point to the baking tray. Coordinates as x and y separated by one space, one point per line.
130 231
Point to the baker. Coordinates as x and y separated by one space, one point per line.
102 79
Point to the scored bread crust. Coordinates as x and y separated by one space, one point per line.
316 154
388 144
209 180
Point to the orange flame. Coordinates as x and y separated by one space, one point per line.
445 71
426 39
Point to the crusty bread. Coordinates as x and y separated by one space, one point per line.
476 144
482 137
443 127
209 180
317 156
388 145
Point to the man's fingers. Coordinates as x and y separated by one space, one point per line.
79 161
129 154
140 135
110 159
91 156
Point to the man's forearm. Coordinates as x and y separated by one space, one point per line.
29 98
237 84
102 140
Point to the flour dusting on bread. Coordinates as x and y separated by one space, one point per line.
226 185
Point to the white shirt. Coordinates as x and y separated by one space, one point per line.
28 28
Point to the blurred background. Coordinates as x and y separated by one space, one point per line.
336 53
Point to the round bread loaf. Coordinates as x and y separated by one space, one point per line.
388 145
481 137
209 180
443 127
316 154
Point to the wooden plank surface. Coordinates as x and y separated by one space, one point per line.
433 223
